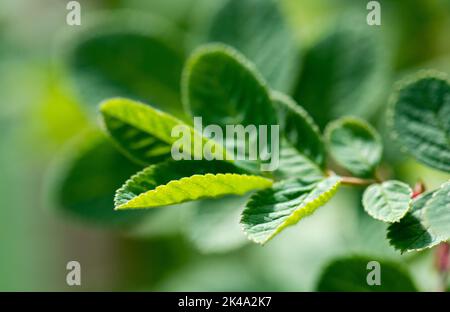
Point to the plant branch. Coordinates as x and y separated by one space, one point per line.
353 180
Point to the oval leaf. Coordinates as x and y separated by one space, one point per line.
220 85
299 129
257 28
437 212
128 55
144 133
174 182
354 144
270 211
421 118
389 201
351 274
343 72
86 179
411 233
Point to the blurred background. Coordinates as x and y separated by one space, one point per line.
58 171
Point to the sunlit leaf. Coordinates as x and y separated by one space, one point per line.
388 201
145 133
270 211
174 182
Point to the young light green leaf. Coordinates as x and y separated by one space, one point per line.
145 134
421 118
351 274
411 233
270 211
257 28
130 55
86 178
437 213
354 144
174 182
299 129
343 72
388 201
224 88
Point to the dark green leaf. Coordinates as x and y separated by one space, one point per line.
421 118
299 129
220 85
86 179
127 55
257 28
411 233
343 72
350 274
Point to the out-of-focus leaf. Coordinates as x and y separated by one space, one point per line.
174 182
299 129
86 178
343 72
145 134
127 55
388 201
350 274
411 233
421 118
257 28
224 88
437 212
354 144
213 224
270 211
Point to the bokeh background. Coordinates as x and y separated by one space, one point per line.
58 173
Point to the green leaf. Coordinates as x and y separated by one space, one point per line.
145 134
85 179
293 164
224 88
437 212
299 129
388 201
174 182
421 118
270 211
128 55
343 72
257 28
411 233
212 225
350 274
354 144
